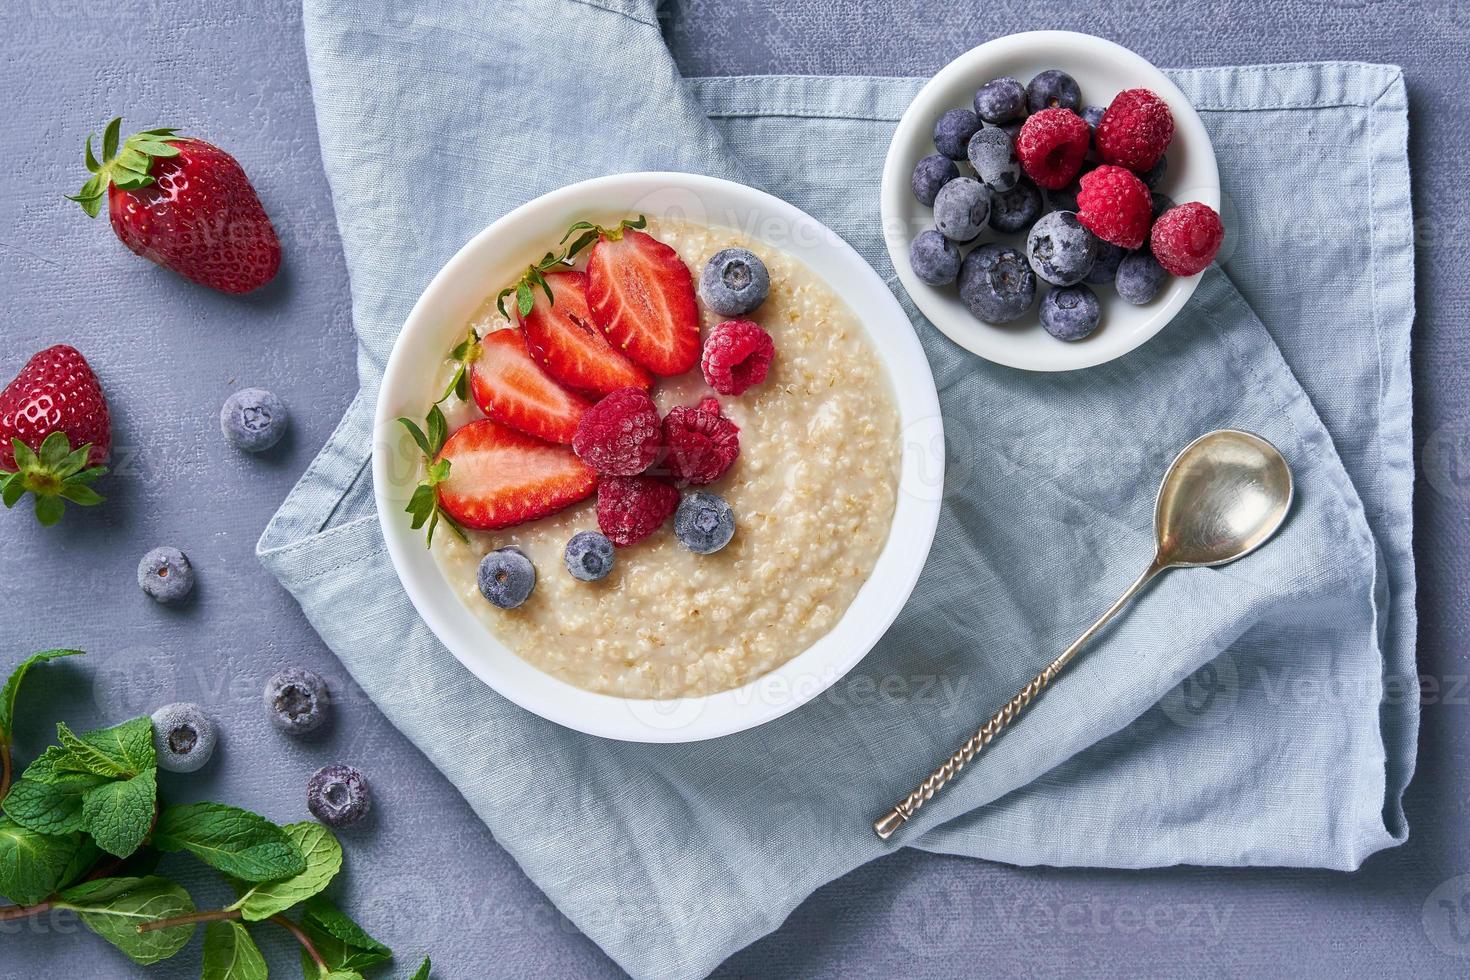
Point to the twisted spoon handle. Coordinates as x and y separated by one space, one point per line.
885 825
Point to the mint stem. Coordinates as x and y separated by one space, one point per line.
215 915
23 911
4 769
304 940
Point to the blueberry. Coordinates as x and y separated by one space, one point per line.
1060 249
1105 266
961 209
1053 89
1070 313
993 156
704 523
1154 176
1139 277
735 282
338 795
1064 199
934 258
166 575
1161 203
183 737
1001 100
930 174
1016 208
253 419
1092 115
1012 129
506 577
297 700
589 556
996 283
953 131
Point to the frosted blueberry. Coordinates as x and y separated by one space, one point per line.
183 737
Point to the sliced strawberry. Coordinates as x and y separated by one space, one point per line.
510 387
642 297
564 339
499 477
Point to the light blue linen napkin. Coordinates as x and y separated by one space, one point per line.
1259 714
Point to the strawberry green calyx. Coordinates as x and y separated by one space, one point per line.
591 233
464 354
55 475
126 166
535 275
424 504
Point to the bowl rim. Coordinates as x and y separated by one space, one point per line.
804 676
947 313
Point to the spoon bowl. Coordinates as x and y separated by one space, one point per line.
1223 497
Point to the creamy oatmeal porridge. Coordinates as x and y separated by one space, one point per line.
813 493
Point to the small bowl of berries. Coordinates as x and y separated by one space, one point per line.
1050 200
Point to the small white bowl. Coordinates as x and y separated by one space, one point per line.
495 257
1102 70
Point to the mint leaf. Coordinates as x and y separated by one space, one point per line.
119 814
422 973
12 688
53 764
50 806
122 750
237 842
81 862
323 860
113 908
344 975
32 864
230 954
341 942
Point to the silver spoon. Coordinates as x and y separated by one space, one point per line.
1221 499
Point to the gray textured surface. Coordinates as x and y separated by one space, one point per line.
424 875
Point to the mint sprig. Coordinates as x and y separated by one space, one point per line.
96 792
55 475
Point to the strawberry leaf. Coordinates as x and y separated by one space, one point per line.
438 430
110 138
421 440
12 489
54 449
524 300
49 510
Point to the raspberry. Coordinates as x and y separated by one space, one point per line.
619 435
737 355
1115 206
702 443
1051 145
1136 130
630 508
1186 238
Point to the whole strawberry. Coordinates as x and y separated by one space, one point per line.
184 204
53 405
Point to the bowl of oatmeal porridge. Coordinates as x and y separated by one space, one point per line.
834 492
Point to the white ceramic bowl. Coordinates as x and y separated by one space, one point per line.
496 256
1102 70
